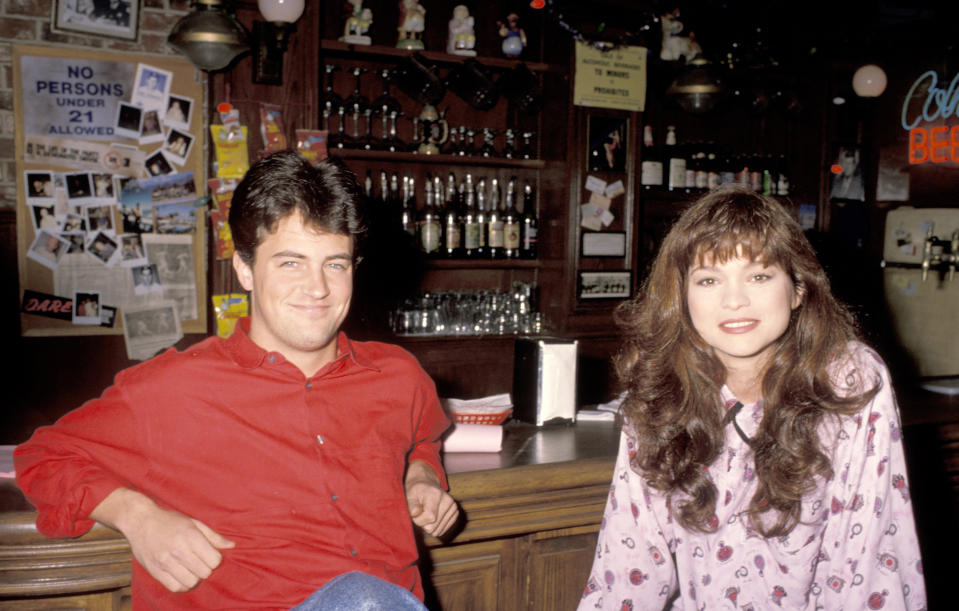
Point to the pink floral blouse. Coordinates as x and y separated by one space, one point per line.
854 548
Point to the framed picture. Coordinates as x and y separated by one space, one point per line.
603 244
113 18
607 137
605 285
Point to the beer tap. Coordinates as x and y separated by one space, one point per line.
934 253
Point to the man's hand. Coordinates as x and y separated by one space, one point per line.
431 507
176 550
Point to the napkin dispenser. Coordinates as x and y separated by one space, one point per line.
544 380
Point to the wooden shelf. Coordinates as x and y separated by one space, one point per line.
499 162
386 53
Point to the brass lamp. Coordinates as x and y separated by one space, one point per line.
696 90
209 37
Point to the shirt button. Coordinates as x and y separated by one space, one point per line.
309 385
334 497
320 440
271 358
353 553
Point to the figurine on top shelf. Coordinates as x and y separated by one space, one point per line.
357 25
676 46
411 25
462 38
514 37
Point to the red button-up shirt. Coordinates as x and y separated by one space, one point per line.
305 475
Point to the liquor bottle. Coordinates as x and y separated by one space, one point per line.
701 171
407 206
527 245
511 222
368 186
712 171
481 216
429 224
472 227
494 223
452 222
676 177
782 178
651 170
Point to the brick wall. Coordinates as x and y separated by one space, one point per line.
28 22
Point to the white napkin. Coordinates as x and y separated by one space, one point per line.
474 438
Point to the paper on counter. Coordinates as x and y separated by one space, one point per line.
595 415
474 438
493 404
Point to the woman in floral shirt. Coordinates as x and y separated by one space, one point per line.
761 462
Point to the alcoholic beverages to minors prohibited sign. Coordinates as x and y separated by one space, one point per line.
610 79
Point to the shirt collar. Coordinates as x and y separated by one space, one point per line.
247 354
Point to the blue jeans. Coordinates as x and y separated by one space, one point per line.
357 591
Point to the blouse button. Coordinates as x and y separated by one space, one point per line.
334 497
320 440
309 385
353 553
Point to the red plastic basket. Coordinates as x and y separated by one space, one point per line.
496 418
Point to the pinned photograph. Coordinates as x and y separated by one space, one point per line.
604 285
129 121
146 280
607 144
44 217
151 87
150 328
103 248
48 249
132 253
178 145
115 18
74 223
79 188
77 241
158 164
108 316
103 187
39 185
179 112
175 217
86 308
100 218
151 130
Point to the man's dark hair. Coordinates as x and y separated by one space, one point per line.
326 194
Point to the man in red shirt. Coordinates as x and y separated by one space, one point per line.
278 466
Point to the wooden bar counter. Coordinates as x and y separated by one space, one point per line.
531 516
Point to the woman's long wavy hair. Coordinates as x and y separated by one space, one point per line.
673 379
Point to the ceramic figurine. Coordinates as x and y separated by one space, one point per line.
676 46
514 37
357 25
462 38
411 25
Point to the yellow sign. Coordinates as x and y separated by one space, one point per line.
611 79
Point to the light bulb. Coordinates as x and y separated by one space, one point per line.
869 81
284 11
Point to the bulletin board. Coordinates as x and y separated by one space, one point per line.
110 181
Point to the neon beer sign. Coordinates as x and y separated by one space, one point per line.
940 143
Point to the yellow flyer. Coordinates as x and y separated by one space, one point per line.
610 79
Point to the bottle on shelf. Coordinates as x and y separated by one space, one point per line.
782 178
701 173
452 222
494 223
482 212
407 206
712 171
429 224
511 222
472 227
676 176
651 169
527 245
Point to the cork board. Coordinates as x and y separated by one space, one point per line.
110 174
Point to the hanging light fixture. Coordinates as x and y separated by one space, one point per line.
272 37
869 81
696 90
208 37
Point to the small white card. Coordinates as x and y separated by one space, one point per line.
595 185
615 189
